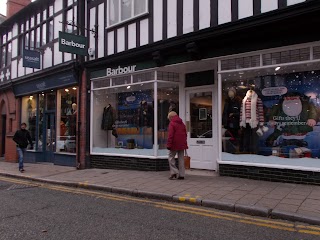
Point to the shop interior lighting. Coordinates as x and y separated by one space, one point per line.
277 68
74 88
67 90
128 87
31 97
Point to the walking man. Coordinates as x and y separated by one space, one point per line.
22 137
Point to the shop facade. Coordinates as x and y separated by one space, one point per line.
49 108
271 60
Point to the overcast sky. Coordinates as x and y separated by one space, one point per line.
3 6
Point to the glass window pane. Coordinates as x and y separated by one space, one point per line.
29 115
113 12
123 120
67 120
168 100
44 34
38 38
41 122
126 9
139 7
4 53
273 113
51 101
50 30
69 28
201 115
9 54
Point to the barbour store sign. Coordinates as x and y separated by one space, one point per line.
73 43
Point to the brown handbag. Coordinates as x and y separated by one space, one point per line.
186 160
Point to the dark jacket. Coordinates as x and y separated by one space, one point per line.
177 136
107 119
21 137
231 106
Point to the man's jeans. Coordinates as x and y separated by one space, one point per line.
21 152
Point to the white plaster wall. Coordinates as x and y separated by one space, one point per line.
14 64
172 18
188 16
157 20
224 11
57 57
292 2
67 56
204 14
110 43
245 8
268 5
120 40
101 21
58 5
15 30
21 69
14 46
57 26
144 32
47 58
132 36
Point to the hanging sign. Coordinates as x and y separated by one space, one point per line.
73 43
31 59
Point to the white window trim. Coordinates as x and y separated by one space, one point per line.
127 20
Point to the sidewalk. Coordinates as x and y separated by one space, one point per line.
294 202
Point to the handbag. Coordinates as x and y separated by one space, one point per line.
186 160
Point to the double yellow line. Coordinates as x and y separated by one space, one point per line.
291 227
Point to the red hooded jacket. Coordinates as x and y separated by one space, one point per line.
177 136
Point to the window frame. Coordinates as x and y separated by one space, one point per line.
126 20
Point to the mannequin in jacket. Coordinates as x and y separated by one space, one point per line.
107 125
231 113
251 120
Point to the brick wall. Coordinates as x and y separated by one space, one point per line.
14 6
11 106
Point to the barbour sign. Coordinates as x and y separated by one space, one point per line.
73 43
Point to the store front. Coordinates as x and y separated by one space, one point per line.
129 125
49 108
271 114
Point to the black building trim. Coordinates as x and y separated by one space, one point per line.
234 10
214 13
115 37
179 17
165 20
196 15
282 3
150 27
138 34
256 7
126 37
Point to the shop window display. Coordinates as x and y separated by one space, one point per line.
67 120
29 115
123 118
273 113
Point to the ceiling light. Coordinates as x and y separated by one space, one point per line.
277 68
67 90
128 87
74 88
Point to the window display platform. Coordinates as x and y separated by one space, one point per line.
272 160
135 151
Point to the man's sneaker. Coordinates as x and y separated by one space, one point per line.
21 170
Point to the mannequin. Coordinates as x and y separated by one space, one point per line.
145 120
73 120
251 119
231 113
107 124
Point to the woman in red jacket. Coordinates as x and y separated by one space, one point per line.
176 144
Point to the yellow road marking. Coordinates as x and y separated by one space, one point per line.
192 210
